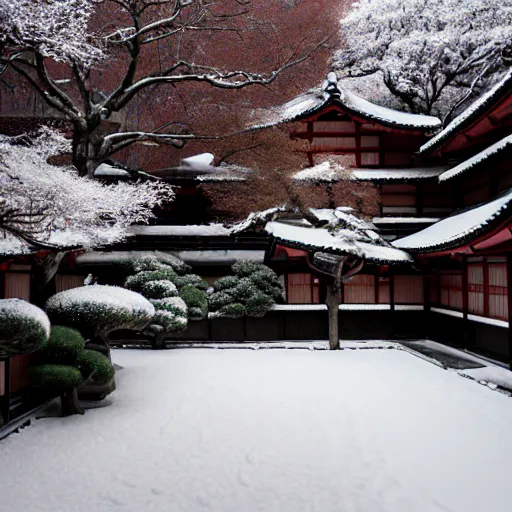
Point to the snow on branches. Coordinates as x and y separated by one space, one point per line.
429 55
43 204
55 29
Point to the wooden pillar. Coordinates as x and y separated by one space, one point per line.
509 292
426 292
486 287
391 290
376 286
6 399
465 302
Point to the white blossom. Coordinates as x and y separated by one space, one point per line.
428 54
41 202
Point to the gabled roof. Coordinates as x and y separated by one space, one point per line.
320 239
478 159
478 108
460 228
332 94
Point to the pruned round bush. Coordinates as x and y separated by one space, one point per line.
63 346
159 290
132 264
169 322
225 283
259 305
244 290
218 300
174 305
244 268
56 378
191 280
23 326
96 366
234 310
137 282
196 302
100 309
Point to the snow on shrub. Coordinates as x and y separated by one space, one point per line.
137 281
99 309
159 289
175 305
191 280
258 305
23 326
254 287
225 283
196 302
133 264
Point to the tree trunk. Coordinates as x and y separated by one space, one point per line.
333 304
70 404
43 272
158 341
85 157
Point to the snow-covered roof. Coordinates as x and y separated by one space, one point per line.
185 230
459 228
478 159
321 239
472 113
398 174
109 171
332 94
220 257
404 220
325 171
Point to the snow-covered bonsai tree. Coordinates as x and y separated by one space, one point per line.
431 56
97 310
252 290
23 326
62 365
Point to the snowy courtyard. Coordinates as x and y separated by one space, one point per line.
270 430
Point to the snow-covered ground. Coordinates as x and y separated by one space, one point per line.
270 430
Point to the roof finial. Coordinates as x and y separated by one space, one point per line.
330 85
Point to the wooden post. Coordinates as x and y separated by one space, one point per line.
509 292
5 402
391 290
465 301
333 305
426 293
486 287
376 286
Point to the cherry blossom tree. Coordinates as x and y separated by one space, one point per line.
44 206
137 29
430 55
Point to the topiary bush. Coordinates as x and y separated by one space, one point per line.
196 301
95 366
175 305
259 305
137 281
97 310
23 326
191 280
63 346
56 378
135 263
159 290
254 289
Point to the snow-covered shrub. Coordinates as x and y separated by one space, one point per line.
99 309
95 366
23 326
254 289
63 346
159 289
167 322
196 302
259 305
225 283
233 310
137 281
156 261
191 280
175 305
55 378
